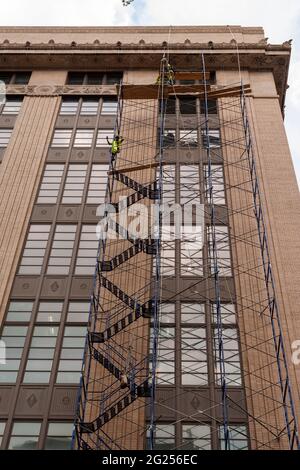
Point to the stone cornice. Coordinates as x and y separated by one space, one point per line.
58 90
132 29
187 55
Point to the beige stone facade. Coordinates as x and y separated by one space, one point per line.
50 53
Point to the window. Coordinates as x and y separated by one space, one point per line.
169 138
109 107
21 78
192 313
49 312
74 185
167 313
69 107
230 345
213 137
50 184
14 340
12 106
87 252
78 312
102 137
41 353
211 107
188 106
193 356
189 184
188 138
5 135
25 436
238 437
217 181
222 250
59 436
171 106
84 138
97 185
62 249
61 138
94 78
2 428
75 78
113 78
69 369
167 267
169 186
18 78
164 437
34 251
195 437
191 251
165 367
89 107
19 311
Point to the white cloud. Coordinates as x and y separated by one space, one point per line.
281 21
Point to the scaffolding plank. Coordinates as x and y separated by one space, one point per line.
192 75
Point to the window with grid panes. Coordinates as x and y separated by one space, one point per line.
40 358
217 181
167 313
62 249
164 437
19 311
69 107
49 312
50 185
2 429
230 339
109 107
213 138
78 312
97 185
187 106
61 138
189 184
102 136
192 313
84 138
74 184
71 356
169 138
89 107
191 251
222 249
35 248
169 184
59 436
5 135
194 356
167 262
188 138
196 437
238 437
25 435
14 339
19 78
12 106
165 365
87 251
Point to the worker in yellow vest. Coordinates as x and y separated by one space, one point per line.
115 145
169 76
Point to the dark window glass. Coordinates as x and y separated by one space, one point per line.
211 106
5 77
94 78
22 78
75 78
113 78
187 106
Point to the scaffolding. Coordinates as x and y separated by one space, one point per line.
119 400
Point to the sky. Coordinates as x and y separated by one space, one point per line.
281 21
